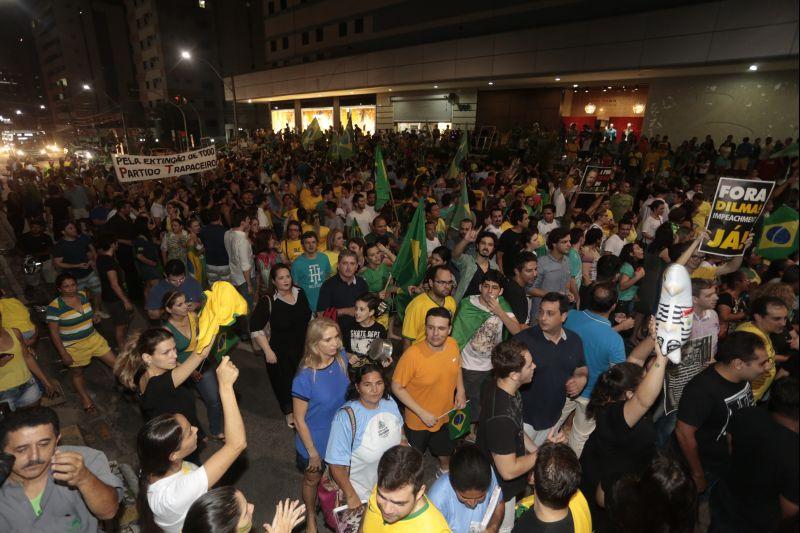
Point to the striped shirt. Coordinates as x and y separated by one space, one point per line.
72 325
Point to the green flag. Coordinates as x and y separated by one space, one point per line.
460 422
412 259
461 210
346 147
383 192
312 133
779 234
333 150
354 230
461 153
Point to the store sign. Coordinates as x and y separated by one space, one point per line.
737 205
131 168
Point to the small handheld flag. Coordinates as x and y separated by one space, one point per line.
460 422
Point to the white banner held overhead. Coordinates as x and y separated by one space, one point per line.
131 168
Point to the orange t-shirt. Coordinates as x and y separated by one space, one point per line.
430 377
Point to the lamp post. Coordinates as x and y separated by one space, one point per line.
183 115
87 87
185 54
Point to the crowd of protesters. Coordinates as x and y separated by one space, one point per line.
535 314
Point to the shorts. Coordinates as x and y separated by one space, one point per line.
90 282
28 335
218 273
474 381
438 442
119 315
302 462
22 395
83 350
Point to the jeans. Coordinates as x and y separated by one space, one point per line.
243 322
209 391
23 395
664 428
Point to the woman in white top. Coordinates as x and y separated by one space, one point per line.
168 485
353 457
226 510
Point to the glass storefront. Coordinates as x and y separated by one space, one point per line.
363 116
282 118
324 116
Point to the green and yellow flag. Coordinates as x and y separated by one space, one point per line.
383 192
461 210
779 235
461 153
346 146
333 150
412 259
460 422
312 133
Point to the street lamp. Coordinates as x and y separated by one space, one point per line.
41 106
86 87
186 54
18 111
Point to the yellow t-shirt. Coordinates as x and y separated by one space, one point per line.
701 216
506 225
308 200
761 384
430 377
333 258
15 315
414 321
291 249
15 372
578 508
426 520
322 236
704 272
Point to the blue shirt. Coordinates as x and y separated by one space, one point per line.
310 274
190 288
377 430
324 390
602 346
443 496
74 252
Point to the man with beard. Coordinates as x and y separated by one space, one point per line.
473 268
78 481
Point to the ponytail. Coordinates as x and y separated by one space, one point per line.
159 438
129 361
612 385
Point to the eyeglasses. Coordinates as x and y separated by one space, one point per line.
443 283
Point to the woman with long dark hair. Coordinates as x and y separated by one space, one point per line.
168 485
630 273
373 414
624 437
226 510
278 328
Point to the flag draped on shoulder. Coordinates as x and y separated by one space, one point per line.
461 153
412 259
383 191
312 133
346 147
470 317
462 209
779 234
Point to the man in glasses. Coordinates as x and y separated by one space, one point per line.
441 283
175 279
769 318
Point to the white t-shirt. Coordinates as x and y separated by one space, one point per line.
431 245
171 497
364 219
477 353
158 211
614 245
546 227
649 226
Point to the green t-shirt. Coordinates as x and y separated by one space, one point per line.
376 278
628 294
36 503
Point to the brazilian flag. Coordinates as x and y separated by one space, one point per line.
779 234
382 189
412 259
461 153
333 150
346 147
460 422
312 133
462 209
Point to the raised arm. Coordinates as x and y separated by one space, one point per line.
185 369
649 389
235 439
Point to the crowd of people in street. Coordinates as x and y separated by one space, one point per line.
534 318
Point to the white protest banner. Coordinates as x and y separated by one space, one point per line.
131 168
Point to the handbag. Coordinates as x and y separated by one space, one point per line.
328 492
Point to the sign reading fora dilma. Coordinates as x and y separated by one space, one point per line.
737 205
596 180
153 167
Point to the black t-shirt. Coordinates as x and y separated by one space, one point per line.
106 264
764 466
213 237
510 243
474 283
357 338
614 449
121 228
543 399
37 245
162 397
59 208
736 305
517 299
500 432
336 293
530 523
707 403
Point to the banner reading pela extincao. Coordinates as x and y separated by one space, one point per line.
737 205
152 167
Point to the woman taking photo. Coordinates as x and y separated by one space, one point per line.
318 391
623 441
226 510
168 485
183 325
71 321
631 271
149 365
278 328
378 426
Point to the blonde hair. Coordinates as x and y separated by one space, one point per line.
332 238
130 362
314 334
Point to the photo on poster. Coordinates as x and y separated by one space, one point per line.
596 180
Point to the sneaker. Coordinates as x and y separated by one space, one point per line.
103 315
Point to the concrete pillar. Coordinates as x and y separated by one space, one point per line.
298 117
337 119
